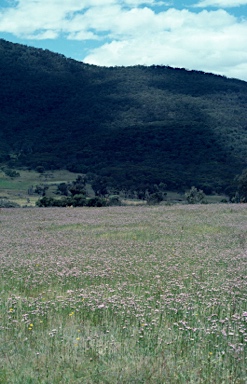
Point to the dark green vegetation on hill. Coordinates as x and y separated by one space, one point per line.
133 126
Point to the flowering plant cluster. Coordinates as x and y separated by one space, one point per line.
118 294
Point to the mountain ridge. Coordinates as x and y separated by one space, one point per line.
133 126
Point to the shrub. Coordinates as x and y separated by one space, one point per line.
242 186
11 173
114 201
40 169
5 203
78 200
155 198
97 202
46 202
195 196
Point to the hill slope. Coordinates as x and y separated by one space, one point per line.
136 126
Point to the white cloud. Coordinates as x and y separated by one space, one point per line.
28 16
135 3
133 32
211 41
44 35
221 3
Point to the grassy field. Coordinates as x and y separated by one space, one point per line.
16 189
153 295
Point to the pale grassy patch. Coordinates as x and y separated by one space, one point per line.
16 189
124 295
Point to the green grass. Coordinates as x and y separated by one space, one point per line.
124 295
16 189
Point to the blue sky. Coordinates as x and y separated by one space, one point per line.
208 35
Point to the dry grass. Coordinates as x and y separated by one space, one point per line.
124 295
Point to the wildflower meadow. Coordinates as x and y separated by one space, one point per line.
135 294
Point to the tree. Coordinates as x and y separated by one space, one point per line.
11 173
155 198
99 186
78 186
40 169
62 189
242 186
195 196
41 189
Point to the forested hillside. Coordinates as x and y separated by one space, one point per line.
132 126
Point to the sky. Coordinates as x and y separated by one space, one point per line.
206 35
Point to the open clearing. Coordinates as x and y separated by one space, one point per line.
21 189
138 294
16 189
